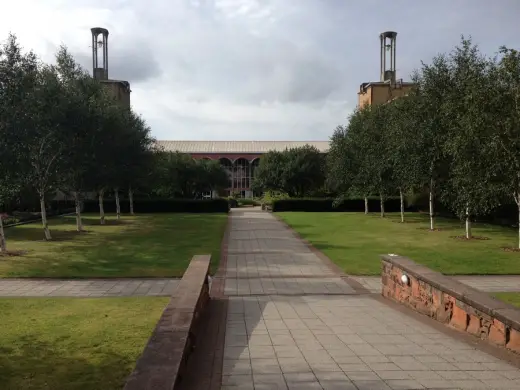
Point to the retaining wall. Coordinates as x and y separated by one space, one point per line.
451 302
163 361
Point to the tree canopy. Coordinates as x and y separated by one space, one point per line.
456 135
297 171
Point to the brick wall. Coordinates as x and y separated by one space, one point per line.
451 302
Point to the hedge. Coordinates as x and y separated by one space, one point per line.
392 204
161 206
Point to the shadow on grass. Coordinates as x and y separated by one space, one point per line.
39 365
145 246
36 234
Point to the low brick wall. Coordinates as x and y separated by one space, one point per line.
451 302
164 358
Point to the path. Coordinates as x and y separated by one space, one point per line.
293 323
86 288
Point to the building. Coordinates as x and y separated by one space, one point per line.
239 158
388 87
119 89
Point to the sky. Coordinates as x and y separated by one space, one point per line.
254 69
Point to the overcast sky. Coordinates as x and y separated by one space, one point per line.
254 69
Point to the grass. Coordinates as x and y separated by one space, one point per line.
154 245
510 297
354 241
73 343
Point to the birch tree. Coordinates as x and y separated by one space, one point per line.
134 160
84 96
34 121
506 140
432 83
404 155
18 74
108 142
472 187
45 141
361 182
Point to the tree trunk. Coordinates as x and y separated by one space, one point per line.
468 224
382 205
118 206
131 200
3 246
517 200
46 230
366 205
101 208
77 202
402 204
431 205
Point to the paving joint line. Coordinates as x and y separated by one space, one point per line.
299 294
328 276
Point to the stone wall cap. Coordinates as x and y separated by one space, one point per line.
509 315
483 301
158 366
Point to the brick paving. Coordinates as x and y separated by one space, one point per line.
294 323
86 287
487 283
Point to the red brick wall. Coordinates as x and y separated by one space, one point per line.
230 156
451 302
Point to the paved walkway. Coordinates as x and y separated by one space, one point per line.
487 283
86 288
293 323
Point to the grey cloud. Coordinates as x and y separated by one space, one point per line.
131 60
302 59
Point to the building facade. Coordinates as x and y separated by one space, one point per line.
388 87
240 159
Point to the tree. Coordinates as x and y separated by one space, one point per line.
134 158
18 72
138 158
376 148
83 115
432 83
108 140
506 140
45 136
269 174
403 152
296 171
471 188
211 176
179 175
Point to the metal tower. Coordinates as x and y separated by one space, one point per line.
388 41
99 65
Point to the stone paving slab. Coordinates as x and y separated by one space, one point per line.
286 329
487 283
276 265
287 286
347 342
86 288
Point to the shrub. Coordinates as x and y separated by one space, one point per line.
161 206
392 204
246 202
233 203
270 196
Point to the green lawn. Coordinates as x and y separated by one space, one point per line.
510 297
159 245
354 241
73 343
